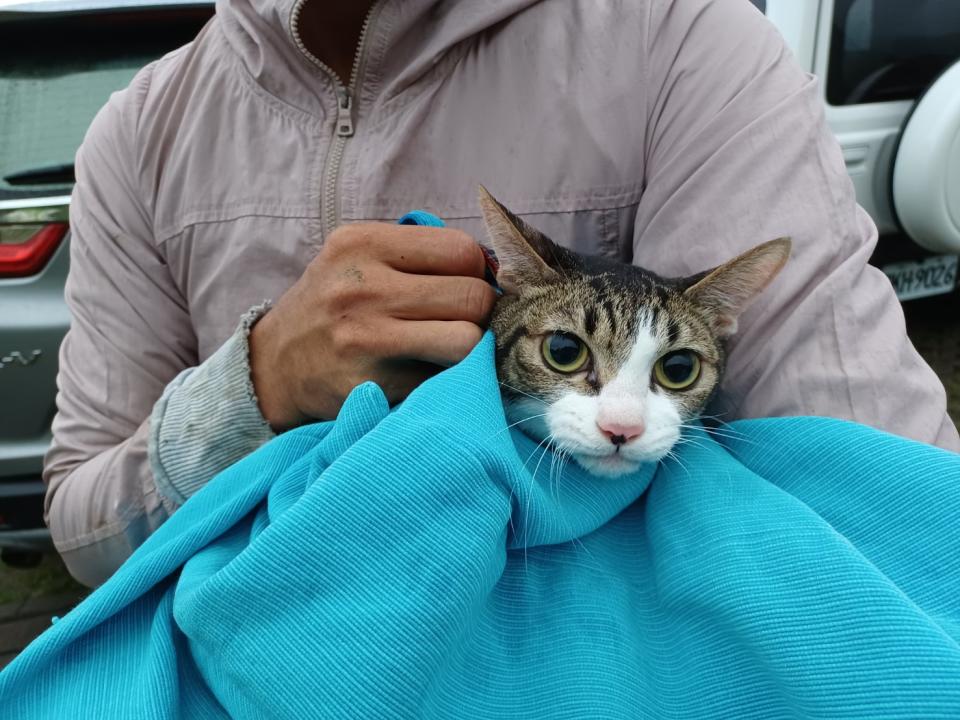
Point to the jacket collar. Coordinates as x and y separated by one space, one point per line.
405 40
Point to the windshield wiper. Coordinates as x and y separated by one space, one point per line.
49 175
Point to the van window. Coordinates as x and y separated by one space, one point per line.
57 72
884 50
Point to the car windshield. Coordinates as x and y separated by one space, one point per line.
885 50
56 73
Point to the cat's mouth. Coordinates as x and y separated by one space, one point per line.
619 460
609 465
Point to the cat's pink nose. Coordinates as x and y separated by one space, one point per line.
620 433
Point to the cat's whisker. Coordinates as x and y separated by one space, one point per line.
704 428
673 456
542 456
526 501
534 451
685 437
716 418
562 462
735 438
692 442
513 527
722 424
522 420
723 433
695 442
554 462
537 468
518 390
562 458
709 430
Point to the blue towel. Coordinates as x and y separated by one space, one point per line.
427 562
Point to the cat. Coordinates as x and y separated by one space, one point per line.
607 361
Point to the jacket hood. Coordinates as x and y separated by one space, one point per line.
406 39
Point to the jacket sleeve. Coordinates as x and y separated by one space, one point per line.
738 152
114 473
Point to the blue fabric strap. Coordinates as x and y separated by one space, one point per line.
421 217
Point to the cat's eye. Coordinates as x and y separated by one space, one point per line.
677 370
565 352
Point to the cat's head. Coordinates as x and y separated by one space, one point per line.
609 361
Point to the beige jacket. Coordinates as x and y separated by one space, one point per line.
672 134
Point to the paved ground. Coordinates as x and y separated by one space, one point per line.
28 598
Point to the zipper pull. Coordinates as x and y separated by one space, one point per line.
344 113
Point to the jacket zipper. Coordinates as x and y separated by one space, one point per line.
343 129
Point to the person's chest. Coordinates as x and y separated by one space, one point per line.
250 188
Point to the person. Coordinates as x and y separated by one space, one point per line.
268 158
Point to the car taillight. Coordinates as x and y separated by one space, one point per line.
21 258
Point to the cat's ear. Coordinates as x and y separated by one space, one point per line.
725 292
524 253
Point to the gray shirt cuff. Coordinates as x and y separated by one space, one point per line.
207 419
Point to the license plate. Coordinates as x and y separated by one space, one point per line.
933 276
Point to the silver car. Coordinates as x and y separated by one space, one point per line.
58 65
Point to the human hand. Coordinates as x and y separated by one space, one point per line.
387 303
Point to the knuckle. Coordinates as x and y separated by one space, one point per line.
317 267
467 339
357 286
363 237
469 251
462 238
489 301
476 302
338 240
462 247
348 339
357 237
342 296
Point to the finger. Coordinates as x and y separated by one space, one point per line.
442 342
437 297
432 251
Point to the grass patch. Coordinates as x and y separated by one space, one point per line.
49 578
